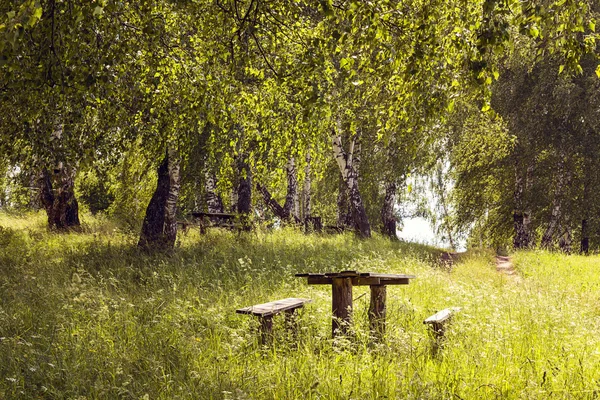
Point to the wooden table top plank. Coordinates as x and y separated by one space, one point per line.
387 276
344 274
273 307
358 279
320 280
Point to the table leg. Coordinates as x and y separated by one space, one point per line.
341 296
377 310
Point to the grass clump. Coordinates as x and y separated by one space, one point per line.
86 315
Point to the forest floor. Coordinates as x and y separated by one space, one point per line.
89 316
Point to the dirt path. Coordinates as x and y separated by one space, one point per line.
505 266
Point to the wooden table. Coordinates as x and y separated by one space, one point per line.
341 295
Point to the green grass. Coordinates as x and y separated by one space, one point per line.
88 316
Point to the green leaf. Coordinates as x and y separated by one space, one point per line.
98 11
598 71
35 16
486 107
346 63
451 105
534 32
561 69
592 26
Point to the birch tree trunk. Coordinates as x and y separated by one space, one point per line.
291 205
388 219
350 177
565 241
214 204
159 229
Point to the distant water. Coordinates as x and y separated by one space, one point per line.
419 230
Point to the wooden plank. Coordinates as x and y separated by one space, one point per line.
365 281
320 280
441 316
273 307
306 274
388 276
341 304
394 281
342 274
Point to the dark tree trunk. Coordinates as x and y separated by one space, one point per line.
585 234
562 181
273 205
307 189
344 213
388 219
214 203
359 214
291 205
61 207
585 237
289 211
159 229
244 192
47 196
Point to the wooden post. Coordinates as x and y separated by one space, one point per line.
377 310
341 305
266 329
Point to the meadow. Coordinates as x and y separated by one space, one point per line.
88 316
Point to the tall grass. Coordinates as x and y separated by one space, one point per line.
88 316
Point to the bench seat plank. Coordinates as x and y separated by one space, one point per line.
441 316
273 307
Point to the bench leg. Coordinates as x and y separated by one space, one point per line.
437 336
341 305
266 329
290 320
377 310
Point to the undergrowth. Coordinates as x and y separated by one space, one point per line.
87 315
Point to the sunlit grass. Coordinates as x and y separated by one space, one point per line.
86 315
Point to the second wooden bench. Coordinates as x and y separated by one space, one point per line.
266 311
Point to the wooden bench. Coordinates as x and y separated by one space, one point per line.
266 311
185 225
437 322
220 220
